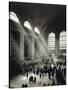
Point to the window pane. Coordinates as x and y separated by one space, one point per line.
51 41
62 40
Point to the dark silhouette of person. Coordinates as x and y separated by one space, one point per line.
27 75
53 82
40 75
44 84
24 85
59 76
34 79
53 71
30 79
49 71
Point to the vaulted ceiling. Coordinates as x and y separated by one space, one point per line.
52 17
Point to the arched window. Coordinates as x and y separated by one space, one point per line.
27 25
13 17
36 30
51 41
62 40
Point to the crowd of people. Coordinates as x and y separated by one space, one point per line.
56 72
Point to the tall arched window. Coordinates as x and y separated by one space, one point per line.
27 25
36 30
13 17
62 40
51 41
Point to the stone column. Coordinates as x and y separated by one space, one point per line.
31 47
21 47
28 47
37 49
57 43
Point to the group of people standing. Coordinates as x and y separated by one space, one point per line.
56 73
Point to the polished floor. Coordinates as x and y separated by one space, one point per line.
19 80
